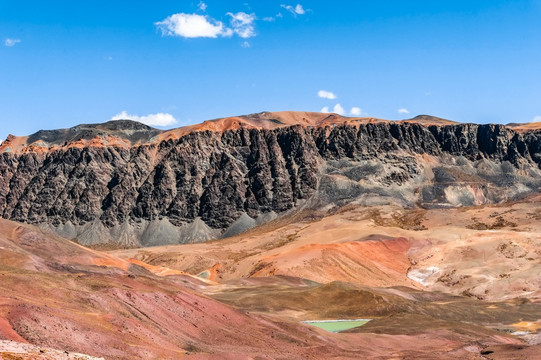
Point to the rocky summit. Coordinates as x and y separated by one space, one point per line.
125 184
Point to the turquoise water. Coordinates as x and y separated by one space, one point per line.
337 325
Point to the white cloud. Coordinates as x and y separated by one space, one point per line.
537 118
245 44
202 6
159 119
339 109
195 26
243 24
295 10
403 111
356 111
279 15
11 42
268 19
325 109
326 94
192 26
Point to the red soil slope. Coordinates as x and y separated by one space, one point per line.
57 294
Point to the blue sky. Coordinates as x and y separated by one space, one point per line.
181 62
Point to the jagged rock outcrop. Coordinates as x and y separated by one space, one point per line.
115 194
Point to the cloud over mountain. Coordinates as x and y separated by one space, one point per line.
158 119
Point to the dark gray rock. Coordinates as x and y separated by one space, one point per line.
217 177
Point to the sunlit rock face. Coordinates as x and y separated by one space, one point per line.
126 184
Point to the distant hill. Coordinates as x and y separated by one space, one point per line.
430 120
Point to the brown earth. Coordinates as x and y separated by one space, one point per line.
100 305
58 295
487 252
439 284
461 278
524 127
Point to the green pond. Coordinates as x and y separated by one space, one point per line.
337 325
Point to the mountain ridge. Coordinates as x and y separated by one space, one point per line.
204 184
127 133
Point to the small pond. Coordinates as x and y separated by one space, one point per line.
337 325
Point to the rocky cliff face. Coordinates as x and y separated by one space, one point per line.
205 184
